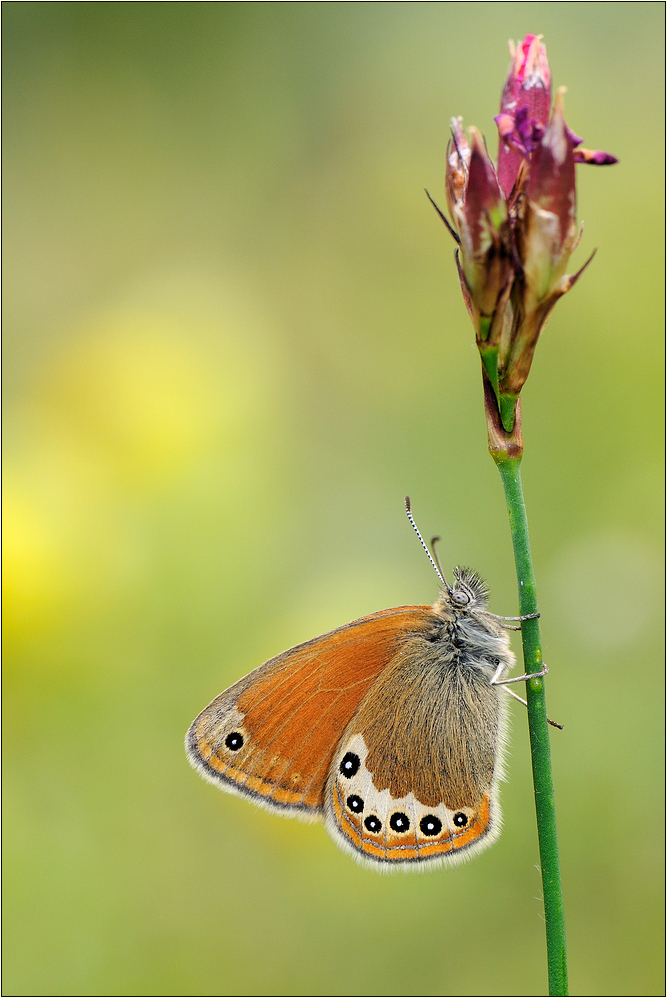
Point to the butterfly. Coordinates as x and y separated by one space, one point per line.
391 729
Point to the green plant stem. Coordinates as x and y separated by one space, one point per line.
545 807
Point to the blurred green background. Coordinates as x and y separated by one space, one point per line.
234 340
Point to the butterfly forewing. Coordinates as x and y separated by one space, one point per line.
273 735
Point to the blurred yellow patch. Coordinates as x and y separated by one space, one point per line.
142 396
34 586
138 402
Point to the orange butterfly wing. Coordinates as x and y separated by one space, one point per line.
414 778
272 735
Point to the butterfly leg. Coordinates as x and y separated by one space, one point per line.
526 616
524 702
511 627
497 681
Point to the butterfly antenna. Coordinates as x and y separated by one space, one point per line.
434 541
408 510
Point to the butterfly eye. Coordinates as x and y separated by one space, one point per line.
460 819
372 823
460 597
350 764
355 804
234 741
430 825
399 822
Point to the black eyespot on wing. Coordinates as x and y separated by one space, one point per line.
350 764
355 804
430 825
399 822
373 823
460 819
234 741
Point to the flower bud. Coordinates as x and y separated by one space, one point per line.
516 226
480 217
549 231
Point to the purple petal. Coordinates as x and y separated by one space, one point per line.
526 98
594 156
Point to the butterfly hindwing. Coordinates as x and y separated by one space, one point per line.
414 778
272 736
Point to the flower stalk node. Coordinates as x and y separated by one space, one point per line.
504 445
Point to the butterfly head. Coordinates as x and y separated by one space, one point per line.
468 592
